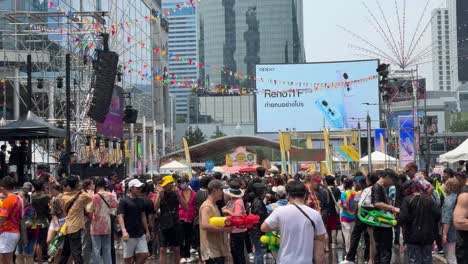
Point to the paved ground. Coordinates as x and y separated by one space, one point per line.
336 255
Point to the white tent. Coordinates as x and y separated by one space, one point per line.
378 157
460 153
173 166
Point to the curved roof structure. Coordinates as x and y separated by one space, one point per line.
223 145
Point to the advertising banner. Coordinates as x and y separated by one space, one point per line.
113 124
406 140
379 140
305 97
241 157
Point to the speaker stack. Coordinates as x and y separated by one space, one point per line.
102 84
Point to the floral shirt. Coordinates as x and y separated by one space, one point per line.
100 221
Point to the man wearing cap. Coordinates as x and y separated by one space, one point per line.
132 221
167 200
213 248
280 195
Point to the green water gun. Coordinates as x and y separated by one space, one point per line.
272 240
438 188
376 218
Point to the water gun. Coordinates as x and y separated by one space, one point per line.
272 240
246 221
439 188
376 218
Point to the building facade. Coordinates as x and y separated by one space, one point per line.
231 115
182 42
236 35
442 57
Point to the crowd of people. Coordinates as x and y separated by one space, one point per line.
149 217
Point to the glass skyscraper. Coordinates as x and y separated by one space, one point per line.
182 42
235 35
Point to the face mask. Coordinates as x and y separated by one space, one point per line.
183 186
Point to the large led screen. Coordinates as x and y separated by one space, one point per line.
305 97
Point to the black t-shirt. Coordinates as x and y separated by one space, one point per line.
331 202
169 211
131 210
379 194
148 206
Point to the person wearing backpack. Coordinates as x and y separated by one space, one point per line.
333 210
103 206
74 205
419 216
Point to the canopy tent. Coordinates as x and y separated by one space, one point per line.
173 166
459 153
30 126
378 158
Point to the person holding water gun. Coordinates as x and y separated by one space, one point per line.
383 235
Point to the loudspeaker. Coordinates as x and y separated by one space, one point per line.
130 115
102 83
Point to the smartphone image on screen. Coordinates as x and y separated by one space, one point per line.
408 146
348 89
331 112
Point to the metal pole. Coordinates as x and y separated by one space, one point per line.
155 146
16 95
29 81
144 145
426 136
368 121
164 139
68 110
359 138
172 120
131 166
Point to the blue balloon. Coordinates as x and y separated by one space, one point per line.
209 165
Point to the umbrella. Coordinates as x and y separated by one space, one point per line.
274 168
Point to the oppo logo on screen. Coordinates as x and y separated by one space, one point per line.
266 69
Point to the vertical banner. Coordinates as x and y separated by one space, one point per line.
406 140
310 143
187 156
283 155
379 139
326 142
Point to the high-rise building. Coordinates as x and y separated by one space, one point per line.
182 42
462 39
236 35
442 60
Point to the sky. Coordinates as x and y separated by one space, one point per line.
324 40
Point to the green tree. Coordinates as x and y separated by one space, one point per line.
218 134
194 136
459 126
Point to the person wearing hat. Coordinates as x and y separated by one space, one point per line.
235 207
281 197
133 223
167 200
213 249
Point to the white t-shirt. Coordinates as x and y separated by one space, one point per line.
297 233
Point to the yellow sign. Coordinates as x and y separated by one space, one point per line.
241 157
187 156
351 152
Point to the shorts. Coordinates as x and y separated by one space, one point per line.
170 237
133 246
27 250
42 237
332 222
8 242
